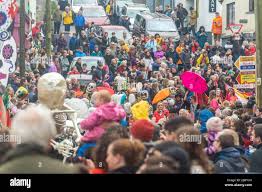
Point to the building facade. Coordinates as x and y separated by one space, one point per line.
239 12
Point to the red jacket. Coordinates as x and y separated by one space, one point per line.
159 115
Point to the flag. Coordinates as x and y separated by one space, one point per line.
241 96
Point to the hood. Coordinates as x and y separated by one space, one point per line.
112 111
240 149
98 20
229 153
232 156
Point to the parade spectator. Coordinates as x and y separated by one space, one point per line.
200 163
182 13
255 159
142 130
201 36
105 111
35 127
217 27
227 158
61 42
79 22
125 156
67 18
192 21
168 11
172 125
214 126
151 45
57 18
73 42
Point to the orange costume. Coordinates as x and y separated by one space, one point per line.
217 25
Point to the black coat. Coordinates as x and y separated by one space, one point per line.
229 160
256 160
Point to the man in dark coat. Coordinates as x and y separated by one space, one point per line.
181 14
33 128
256 157
99 73
227 159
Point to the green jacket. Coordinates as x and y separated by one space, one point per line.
29 160
57 16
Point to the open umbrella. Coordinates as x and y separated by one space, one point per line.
111 91
161 95
194 82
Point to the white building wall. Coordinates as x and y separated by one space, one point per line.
205 17
242 12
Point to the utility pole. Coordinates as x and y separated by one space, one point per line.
22 38
258 11
48 29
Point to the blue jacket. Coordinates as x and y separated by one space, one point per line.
79 54
204 115
229 160
79 21
155 66
73 43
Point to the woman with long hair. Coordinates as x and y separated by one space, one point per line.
200 163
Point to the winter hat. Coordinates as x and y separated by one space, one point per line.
227 112
142 130
214 124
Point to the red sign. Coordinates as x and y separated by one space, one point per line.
238 79
235 28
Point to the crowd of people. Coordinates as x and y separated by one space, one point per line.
128 132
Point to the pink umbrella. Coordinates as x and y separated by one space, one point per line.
194 82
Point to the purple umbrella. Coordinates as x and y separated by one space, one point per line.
194 82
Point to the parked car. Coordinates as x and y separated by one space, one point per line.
119 31
153 23
77 4
131 10
95 14
120 4
89 60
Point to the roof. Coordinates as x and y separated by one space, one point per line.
149 15
116 27
136 5
92 7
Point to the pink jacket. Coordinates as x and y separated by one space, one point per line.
214 104
109 112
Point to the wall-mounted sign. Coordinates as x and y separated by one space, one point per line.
212 6
243 21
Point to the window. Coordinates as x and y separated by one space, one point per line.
230 13
251 5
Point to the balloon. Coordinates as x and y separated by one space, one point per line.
132 98
52 90
79 106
